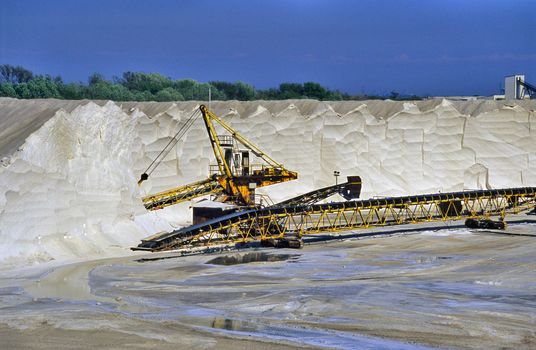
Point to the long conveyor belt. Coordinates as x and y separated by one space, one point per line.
297 220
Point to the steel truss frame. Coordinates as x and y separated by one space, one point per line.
297 221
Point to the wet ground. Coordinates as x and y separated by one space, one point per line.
432 289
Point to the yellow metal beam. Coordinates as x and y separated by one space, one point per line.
277 222
181 194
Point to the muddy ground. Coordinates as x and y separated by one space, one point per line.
450 288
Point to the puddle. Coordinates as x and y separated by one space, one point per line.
233 325
310 336
251 258
431 259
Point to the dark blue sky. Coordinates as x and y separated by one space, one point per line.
438 47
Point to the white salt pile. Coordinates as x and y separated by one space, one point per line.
69 168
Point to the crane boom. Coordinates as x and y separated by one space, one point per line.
235 180
207 116
181 194
239 185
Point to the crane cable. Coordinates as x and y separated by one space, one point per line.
160 157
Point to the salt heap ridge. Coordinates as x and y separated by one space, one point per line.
68 179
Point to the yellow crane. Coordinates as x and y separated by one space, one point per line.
233 179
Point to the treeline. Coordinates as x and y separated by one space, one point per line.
18 82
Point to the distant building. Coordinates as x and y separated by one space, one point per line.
513 90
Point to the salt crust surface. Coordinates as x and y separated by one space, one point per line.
69 168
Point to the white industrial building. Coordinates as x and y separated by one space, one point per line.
516 88
513 90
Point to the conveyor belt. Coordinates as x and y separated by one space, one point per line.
298 220
531 89
349 190
181 194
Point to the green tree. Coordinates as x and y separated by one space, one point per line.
7 90
169 94
314 90
23 91
22 83
15 75
118 92
336 96
152 82
95 78
43 87
106 90
394 95
185 87
73 91
192 90
235 91
200 91
290 91
142 96
269 94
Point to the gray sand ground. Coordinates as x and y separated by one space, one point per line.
448 289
